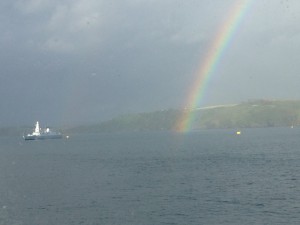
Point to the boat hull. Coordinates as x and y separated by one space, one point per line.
42 137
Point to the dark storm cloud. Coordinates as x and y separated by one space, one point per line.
74 61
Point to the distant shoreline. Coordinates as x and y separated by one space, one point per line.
251 114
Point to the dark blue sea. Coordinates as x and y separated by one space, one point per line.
148 178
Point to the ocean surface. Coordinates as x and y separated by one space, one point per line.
203 177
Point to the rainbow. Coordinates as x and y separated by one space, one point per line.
206 69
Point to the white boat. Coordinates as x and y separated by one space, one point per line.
42 134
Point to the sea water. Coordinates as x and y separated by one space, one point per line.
201 177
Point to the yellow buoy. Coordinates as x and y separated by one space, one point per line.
238 132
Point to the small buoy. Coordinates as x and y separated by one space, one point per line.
238 132
67 136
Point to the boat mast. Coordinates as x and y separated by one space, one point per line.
37 128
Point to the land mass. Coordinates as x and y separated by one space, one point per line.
250 114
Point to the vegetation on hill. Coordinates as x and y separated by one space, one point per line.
160 120
258 113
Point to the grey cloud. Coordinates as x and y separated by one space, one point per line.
96 59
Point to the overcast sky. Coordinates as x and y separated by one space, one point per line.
77 61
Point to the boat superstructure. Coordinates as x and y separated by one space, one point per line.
42 134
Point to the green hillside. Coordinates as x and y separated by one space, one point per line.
259 113
160 120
